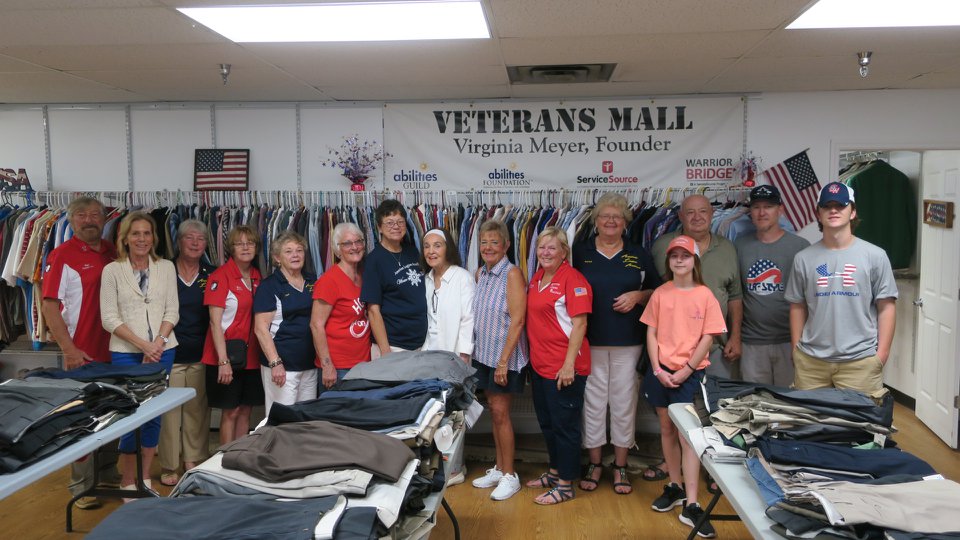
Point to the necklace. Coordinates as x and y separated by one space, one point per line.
397 257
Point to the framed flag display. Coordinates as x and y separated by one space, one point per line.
221 170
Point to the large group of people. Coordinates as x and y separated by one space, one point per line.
770 309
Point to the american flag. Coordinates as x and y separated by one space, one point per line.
762 270
799 188
221 170
823 275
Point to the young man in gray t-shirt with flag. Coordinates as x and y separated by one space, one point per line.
766 259
842 298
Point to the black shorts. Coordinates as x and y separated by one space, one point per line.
485 382
245 389
661 396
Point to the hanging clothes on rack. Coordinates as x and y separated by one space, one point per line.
886 206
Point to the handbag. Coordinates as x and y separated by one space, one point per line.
237 353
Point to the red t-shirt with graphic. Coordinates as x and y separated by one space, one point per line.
72 276
550 312
347 328
226 289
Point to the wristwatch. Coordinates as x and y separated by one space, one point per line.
275 363
163 338
657 372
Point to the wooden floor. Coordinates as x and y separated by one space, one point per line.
37 512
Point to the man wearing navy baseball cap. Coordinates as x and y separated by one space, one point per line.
842 303
766 259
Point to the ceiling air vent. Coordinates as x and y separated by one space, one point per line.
562 74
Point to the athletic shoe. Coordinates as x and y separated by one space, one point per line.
673 495
457 478
691 513
489 480
88 503
508 485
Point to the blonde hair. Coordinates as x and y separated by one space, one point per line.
283 238
559 234
612 200
125 225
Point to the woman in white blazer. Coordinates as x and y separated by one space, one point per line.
449 289
139 306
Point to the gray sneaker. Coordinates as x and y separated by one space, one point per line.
673 495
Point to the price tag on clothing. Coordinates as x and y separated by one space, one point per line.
880 439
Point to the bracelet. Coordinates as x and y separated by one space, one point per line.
691 367
275 363
657 372
223 363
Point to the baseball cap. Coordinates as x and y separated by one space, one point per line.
685 243
765 193
836 192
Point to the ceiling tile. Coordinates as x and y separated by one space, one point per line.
133 57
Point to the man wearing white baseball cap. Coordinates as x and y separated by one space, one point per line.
842 298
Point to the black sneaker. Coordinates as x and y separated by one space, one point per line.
673 495
691 514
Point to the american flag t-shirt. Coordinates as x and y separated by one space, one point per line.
846 275
221 169
799 188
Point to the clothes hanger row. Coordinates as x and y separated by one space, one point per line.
292 199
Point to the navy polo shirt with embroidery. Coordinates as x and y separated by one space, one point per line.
191 329
290 326
631 269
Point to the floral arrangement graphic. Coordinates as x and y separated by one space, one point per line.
356 159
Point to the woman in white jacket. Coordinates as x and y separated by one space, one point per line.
449 290
139 307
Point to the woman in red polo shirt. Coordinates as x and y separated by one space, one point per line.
229 297
558 301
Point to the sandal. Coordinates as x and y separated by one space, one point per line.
546 480
623 487
588 482
169 479
654 473
712 486
556 495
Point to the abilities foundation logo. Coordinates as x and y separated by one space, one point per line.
507 177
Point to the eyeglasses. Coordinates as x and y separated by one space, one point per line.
393 223
244 244
353 243
434 300
609 217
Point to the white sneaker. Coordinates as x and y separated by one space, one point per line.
490 479
457 478
509 484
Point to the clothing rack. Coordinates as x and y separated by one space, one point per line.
288 198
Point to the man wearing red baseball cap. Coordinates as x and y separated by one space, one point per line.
842 298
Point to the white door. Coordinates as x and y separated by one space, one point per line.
938 375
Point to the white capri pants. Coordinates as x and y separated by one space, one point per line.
613 383
299 386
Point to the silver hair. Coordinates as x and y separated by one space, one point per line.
340 231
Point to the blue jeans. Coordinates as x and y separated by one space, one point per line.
560 415
149 432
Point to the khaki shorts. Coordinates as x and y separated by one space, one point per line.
864 375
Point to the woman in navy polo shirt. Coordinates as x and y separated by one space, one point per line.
623 277
281 320
185 431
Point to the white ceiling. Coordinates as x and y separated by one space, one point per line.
85 51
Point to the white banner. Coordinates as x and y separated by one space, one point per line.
590 144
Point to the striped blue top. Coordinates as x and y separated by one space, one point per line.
492 319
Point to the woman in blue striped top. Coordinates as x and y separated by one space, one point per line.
500 349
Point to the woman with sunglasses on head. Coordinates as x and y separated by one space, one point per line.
393 285
449 295
338 322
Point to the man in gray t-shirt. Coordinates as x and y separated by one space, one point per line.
842 298
766 259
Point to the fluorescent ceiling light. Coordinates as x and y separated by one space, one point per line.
879 14
358 21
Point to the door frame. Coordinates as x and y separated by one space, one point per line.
837 146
